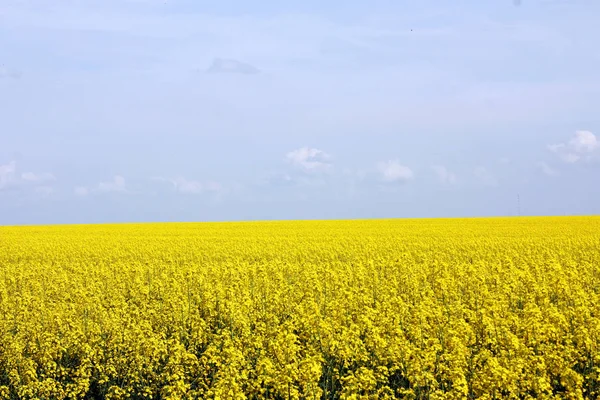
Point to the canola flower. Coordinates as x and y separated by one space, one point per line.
373 309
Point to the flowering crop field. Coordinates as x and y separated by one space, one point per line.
365 309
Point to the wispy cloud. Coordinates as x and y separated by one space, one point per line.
190 186
277 179
223 65
116 185
183 185
547 169
45 191
8 73
32 177
445 176
306 169
310 160
394 171
485 177
11 178
81 191
7 175
581 147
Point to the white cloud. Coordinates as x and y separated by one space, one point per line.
393 171
485 177
10 177
445 176
186 186
43 177
582 146
213 186
45 191
183 185
277 179
81 191
117 185
221 65
309 159
546 169
7 174
9 73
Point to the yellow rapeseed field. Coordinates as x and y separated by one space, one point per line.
369 309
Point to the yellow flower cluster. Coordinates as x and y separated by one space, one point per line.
436 309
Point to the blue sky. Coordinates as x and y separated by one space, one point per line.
143 110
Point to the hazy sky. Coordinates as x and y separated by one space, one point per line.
181 110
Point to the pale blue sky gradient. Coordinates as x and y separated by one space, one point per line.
358 110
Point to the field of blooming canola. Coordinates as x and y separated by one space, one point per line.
381 309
